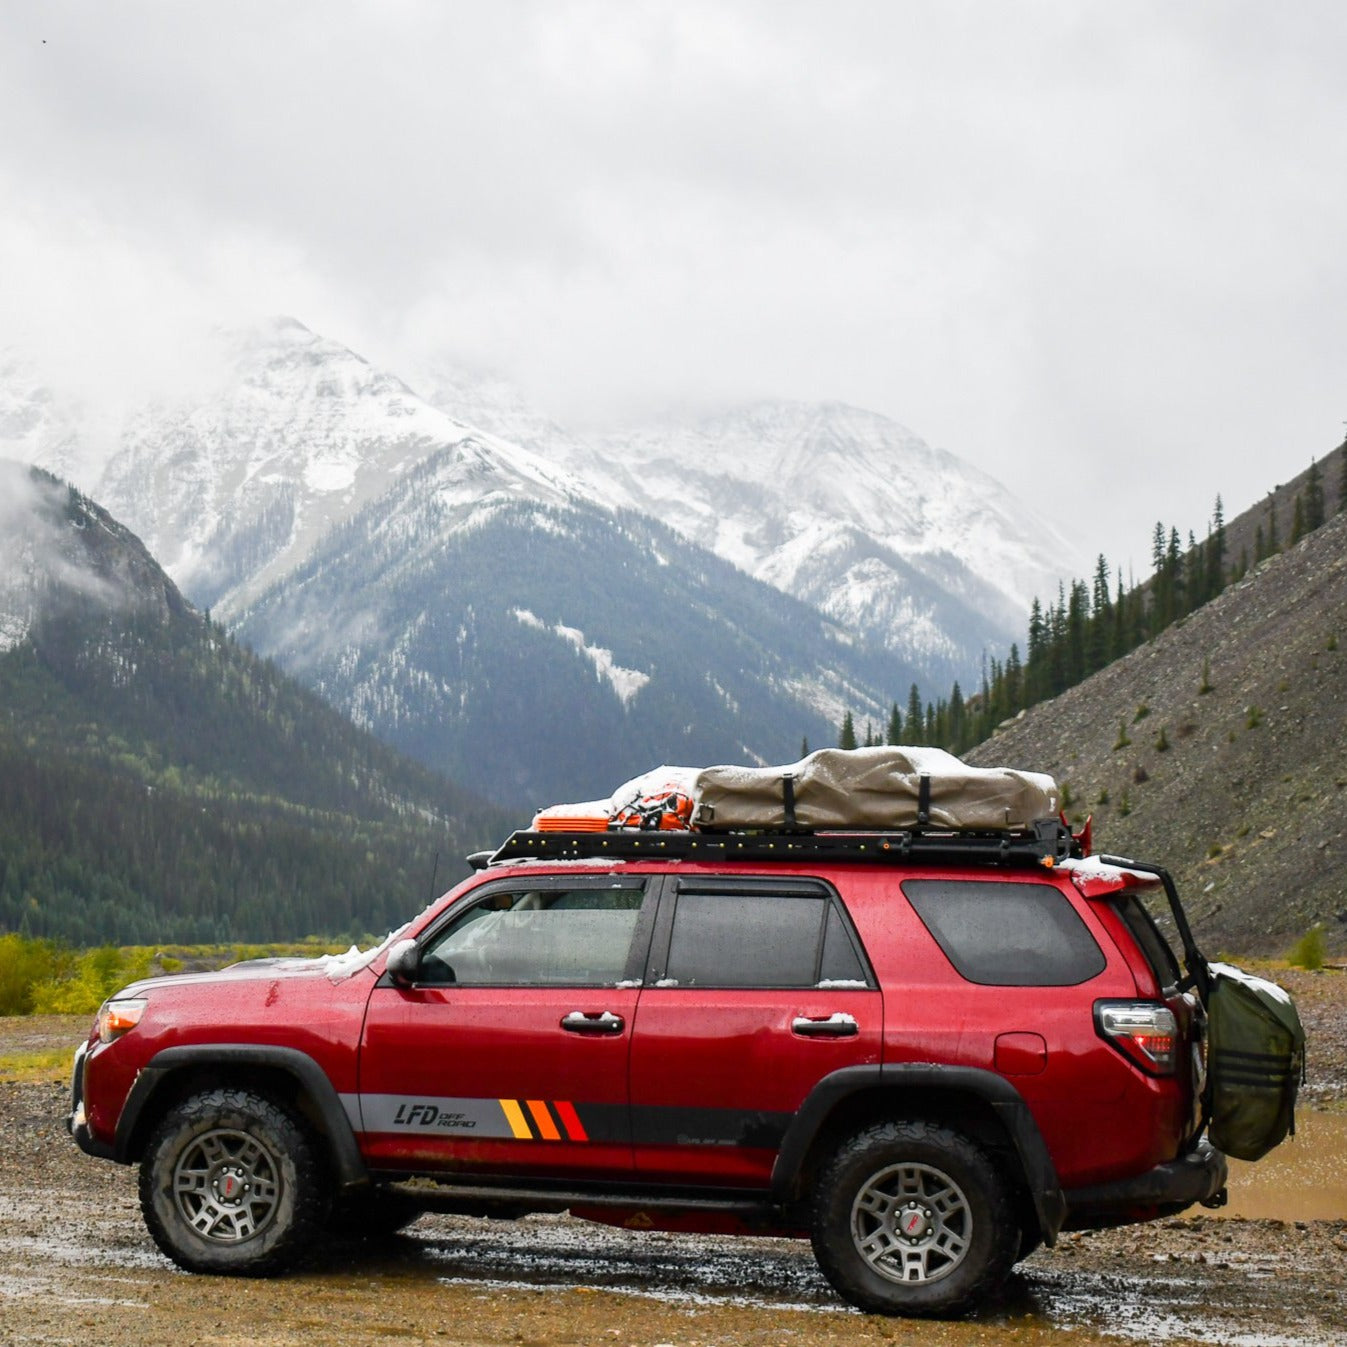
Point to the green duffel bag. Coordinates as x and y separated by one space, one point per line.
1255 1062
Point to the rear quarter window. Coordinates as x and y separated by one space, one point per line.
1150 939
1001 934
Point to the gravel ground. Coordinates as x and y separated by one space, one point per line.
78 1265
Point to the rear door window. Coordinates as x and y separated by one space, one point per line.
759 936
1003 934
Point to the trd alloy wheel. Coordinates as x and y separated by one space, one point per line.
230 1183
911 1218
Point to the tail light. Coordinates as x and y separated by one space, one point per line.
1146 1033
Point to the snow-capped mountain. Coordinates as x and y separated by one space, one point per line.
289 434
59 551
840 507
412 551
548 651
852 512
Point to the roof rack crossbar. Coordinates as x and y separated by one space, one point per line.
1046 843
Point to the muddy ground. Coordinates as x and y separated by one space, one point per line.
76 1265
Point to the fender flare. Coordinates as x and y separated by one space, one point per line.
310 1077
1005 1101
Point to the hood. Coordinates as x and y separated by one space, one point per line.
335 967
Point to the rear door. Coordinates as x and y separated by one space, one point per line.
756 989
509 1055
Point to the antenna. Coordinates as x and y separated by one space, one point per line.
435 870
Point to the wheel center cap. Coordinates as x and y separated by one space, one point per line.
913 1223
228 1185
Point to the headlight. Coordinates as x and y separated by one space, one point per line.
118 1017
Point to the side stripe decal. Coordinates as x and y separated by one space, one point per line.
547 1129
570 1120
515 1117
548 1120
507 1119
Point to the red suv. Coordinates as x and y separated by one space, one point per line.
926 1054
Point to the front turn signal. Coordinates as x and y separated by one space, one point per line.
118 1017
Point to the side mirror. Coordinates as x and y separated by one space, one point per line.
404 960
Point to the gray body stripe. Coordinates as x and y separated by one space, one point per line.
431 1115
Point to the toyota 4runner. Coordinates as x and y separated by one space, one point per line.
926 1053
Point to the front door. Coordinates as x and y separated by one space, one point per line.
509 1054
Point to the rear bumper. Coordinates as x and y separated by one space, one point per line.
1199 1176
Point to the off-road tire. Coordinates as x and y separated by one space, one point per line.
911 1218
231 1183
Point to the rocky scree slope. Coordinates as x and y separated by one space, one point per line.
1219 749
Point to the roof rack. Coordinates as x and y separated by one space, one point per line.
1045 843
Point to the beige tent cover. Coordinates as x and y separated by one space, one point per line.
873 788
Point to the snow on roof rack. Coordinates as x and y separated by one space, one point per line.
1045 844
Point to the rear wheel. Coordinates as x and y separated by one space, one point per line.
912 1218
230 1182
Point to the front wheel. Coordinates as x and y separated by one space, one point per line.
230 1182
912 1218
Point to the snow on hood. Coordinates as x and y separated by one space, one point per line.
335 967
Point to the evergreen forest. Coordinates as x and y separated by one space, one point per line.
160 783
1095 621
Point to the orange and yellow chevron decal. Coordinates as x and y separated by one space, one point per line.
545 1120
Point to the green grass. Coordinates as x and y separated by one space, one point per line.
24 1068
45 978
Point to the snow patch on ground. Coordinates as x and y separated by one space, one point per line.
13 630
625 682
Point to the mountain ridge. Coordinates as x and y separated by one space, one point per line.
158 782
283 433
1240 789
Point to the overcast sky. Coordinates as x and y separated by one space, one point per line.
1099 249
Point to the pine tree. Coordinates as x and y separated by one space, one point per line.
847 737
1314 498
1273 543
1162 586
1101 618
895 735
1014 681
915 722
955 727
1215 553
1036 655
1174 571
1297 521
1076 620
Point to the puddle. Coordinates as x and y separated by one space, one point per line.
1304 1179
1208 1293
1154 1312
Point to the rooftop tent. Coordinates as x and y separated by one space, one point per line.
883 787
